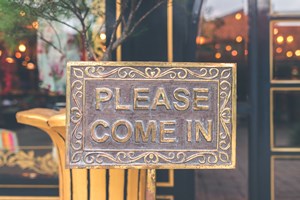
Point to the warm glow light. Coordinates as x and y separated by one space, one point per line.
27 58
218 55
24 63
30 66
102 36
239 39
289 54
234 53
35 24
297 52
275 31
290 39
280 39
22 48
22 13
246 52
18 55
9 60
0 53
200 40
238 16
217 46
278 50
228 48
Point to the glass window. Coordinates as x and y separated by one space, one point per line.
285 50
286 179
223 36
27 160
286 112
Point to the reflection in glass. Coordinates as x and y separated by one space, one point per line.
27 160
285 6
222 37
286 112
286 50
286 179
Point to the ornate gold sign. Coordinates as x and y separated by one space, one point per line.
151 115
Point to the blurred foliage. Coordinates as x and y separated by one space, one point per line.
15 25
17 17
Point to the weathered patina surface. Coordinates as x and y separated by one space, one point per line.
151 115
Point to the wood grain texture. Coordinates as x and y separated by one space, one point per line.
98 184
116 184
133 181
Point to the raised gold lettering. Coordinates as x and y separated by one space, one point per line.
164 131
118 105
181 98
128 134
161 99
206 133
189 130
197 99
151 129
93 131
102 98
137 97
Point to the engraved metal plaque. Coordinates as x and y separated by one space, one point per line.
151 115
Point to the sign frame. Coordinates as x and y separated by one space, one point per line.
223 158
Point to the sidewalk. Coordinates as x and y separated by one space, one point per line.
226 184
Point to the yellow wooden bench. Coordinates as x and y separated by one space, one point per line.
88 184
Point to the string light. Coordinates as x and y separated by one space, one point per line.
290 39
297 52
238 16
102 36
35 24
280 39
9 60
200 40
234 53
275 31
239 39
278 50
218 55
30 66
18 55
22 48
228 48
22 13
27 58
289 54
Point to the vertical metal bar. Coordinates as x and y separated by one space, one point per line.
259 134
170 29
253 125
119 30
151 184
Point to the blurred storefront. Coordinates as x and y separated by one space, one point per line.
261 36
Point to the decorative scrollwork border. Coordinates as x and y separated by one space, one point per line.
44 164
224 157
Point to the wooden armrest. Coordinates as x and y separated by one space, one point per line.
37 117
